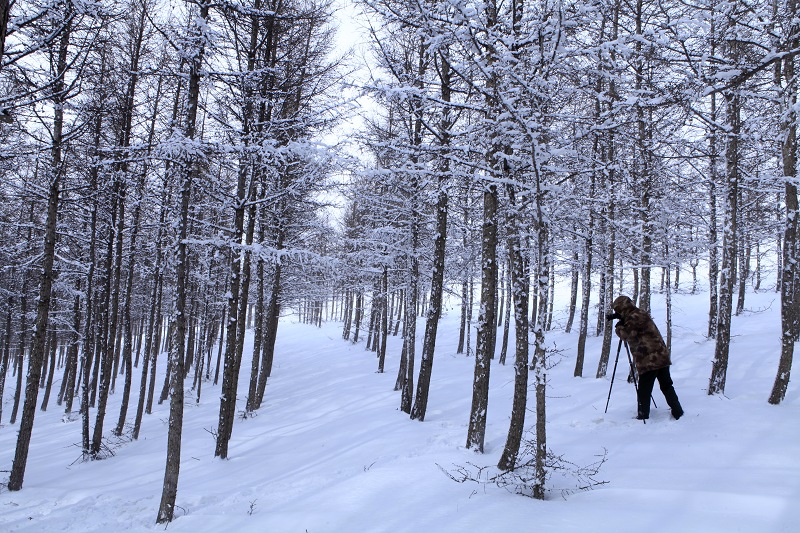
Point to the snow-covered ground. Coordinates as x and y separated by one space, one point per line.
331 452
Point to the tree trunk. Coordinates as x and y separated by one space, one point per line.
668 295
605 351
110 313
359 311
573 292
221 332
744 270
258 334
484 345
586 292
156 350
384 320
788 289
719 367
237 307
508 290
789 269
49 384
520 291
713 179
23 329
643 158
540 351
348 314
6 352
435 308
48 258
166 509
71 364
410 329
271 327
465 284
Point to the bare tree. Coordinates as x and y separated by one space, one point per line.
188 166
60 95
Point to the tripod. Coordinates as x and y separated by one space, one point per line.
633 373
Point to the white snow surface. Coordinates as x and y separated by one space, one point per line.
330 451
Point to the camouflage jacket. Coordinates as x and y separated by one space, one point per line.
640 332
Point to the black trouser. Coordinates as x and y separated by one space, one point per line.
646 382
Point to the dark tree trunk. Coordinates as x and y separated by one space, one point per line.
236 315
158 289
744 270
374 315
605 351
49 385
23 330
508 289
788 289
66 394
573 292
110 312
348 314
258 334
435 308
221 343
462 330
43 305
439 249
48 258
713 179
520 291
401 302
6 352
789 271
87 347
719 367
270 330
484 345
166 510
359 311
384 320
410 332
586 292
540 352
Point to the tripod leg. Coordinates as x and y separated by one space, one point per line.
633 373
635 381
613 373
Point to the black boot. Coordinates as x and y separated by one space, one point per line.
665 383
674 404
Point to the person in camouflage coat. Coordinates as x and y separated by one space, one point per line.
649 352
